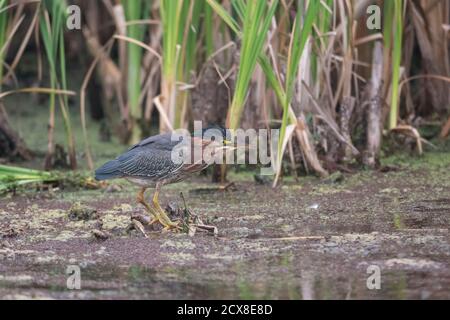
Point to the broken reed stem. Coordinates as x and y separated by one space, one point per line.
346 111
304 138
374 124
396 62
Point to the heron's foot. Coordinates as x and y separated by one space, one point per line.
168 224
174 226
160 217
163 218
153 217
153 221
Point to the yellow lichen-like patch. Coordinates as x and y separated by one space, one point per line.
125 207
218 256
65 235
39 216
183 244
79 225
18 278
412 263
40 219
48 258
179 256
326 189
252 217
113 220
11 205
255 246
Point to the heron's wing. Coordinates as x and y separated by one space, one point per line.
161 141
147 162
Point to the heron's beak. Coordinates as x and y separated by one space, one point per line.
227 142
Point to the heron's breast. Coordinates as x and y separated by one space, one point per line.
142 182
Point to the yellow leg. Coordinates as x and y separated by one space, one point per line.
141 200
161 214
154 220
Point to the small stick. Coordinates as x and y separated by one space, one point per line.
100 235
294 238
138 226
207 228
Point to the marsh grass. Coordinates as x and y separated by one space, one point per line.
51 24
13 177
3 26
135 10
301 66
256 16
395 12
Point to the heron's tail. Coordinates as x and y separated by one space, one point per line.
109 170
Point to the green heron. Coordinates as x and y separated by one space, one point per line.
150 164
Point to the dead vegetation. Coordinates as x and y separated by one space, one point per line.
143 73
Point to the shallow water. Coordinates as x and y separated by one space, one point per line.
279 281
312 240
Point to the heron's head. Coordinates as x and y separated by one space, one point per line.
216 134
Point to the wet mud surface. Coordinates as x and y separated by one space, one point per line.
313 239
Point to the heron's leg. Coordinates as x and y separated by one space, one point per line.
161 214
141 200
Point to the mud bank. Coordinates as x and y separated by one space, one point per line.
315 239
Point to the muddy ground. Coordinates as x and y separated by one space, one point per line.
313 239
